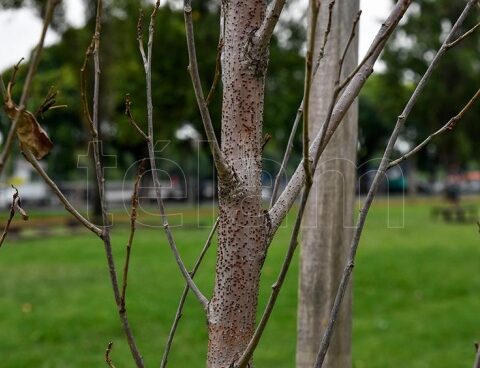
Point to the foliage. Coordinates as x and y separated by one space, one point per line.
454 82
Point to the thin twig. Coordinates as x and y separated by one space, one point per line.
377 42
353 33
181 303
287 154
108 351
140 37
373 190
83 88
14 207
448 126
223 169
128 113
306 144
68 206
216 77
151 153
336 89
101 189
51 4
314 10
462 37
133 220
326 34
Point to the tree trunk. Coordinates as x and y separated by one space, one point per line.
242 230
328 220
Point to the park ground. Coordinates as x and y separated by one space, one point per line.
416 297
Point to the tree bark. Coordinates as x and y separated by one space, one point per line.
242 227
328 220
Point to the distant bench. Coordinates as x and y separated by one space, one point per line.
461 214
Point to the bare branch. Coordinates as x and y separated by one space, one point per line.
287 198
83 88
140 37
14 207
101 189
216 78
128 113
326 34
372 49
374 187
133 220
223 169
450 125
315 8
286 156
68 206
50 7
348 44
151 152
265 32
181 303
11 83
337 88
462 37
108 351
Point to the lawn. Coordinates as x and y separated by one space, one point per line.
416 299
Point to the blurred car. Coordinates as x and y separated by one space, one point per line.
30 193
31 187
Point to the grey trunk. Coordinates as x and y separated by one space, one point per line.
328 219
241 234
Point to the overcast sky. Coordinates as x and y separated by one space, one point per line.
20 29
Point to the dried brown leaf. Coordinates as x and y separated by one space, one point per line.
29 132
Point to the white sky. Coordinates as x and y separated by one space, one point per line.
20 29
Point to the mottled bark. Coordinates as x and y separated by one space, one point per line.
328 218
242 230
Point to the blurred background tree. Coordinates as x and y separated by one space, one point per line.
455 80
385 94
174 100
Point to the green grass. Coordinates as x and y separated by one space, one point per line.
416 297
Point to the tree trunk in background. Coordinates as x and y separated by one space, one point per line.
328 219
242 230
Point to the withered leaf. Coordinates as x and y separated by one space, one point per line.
17 205
29 132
